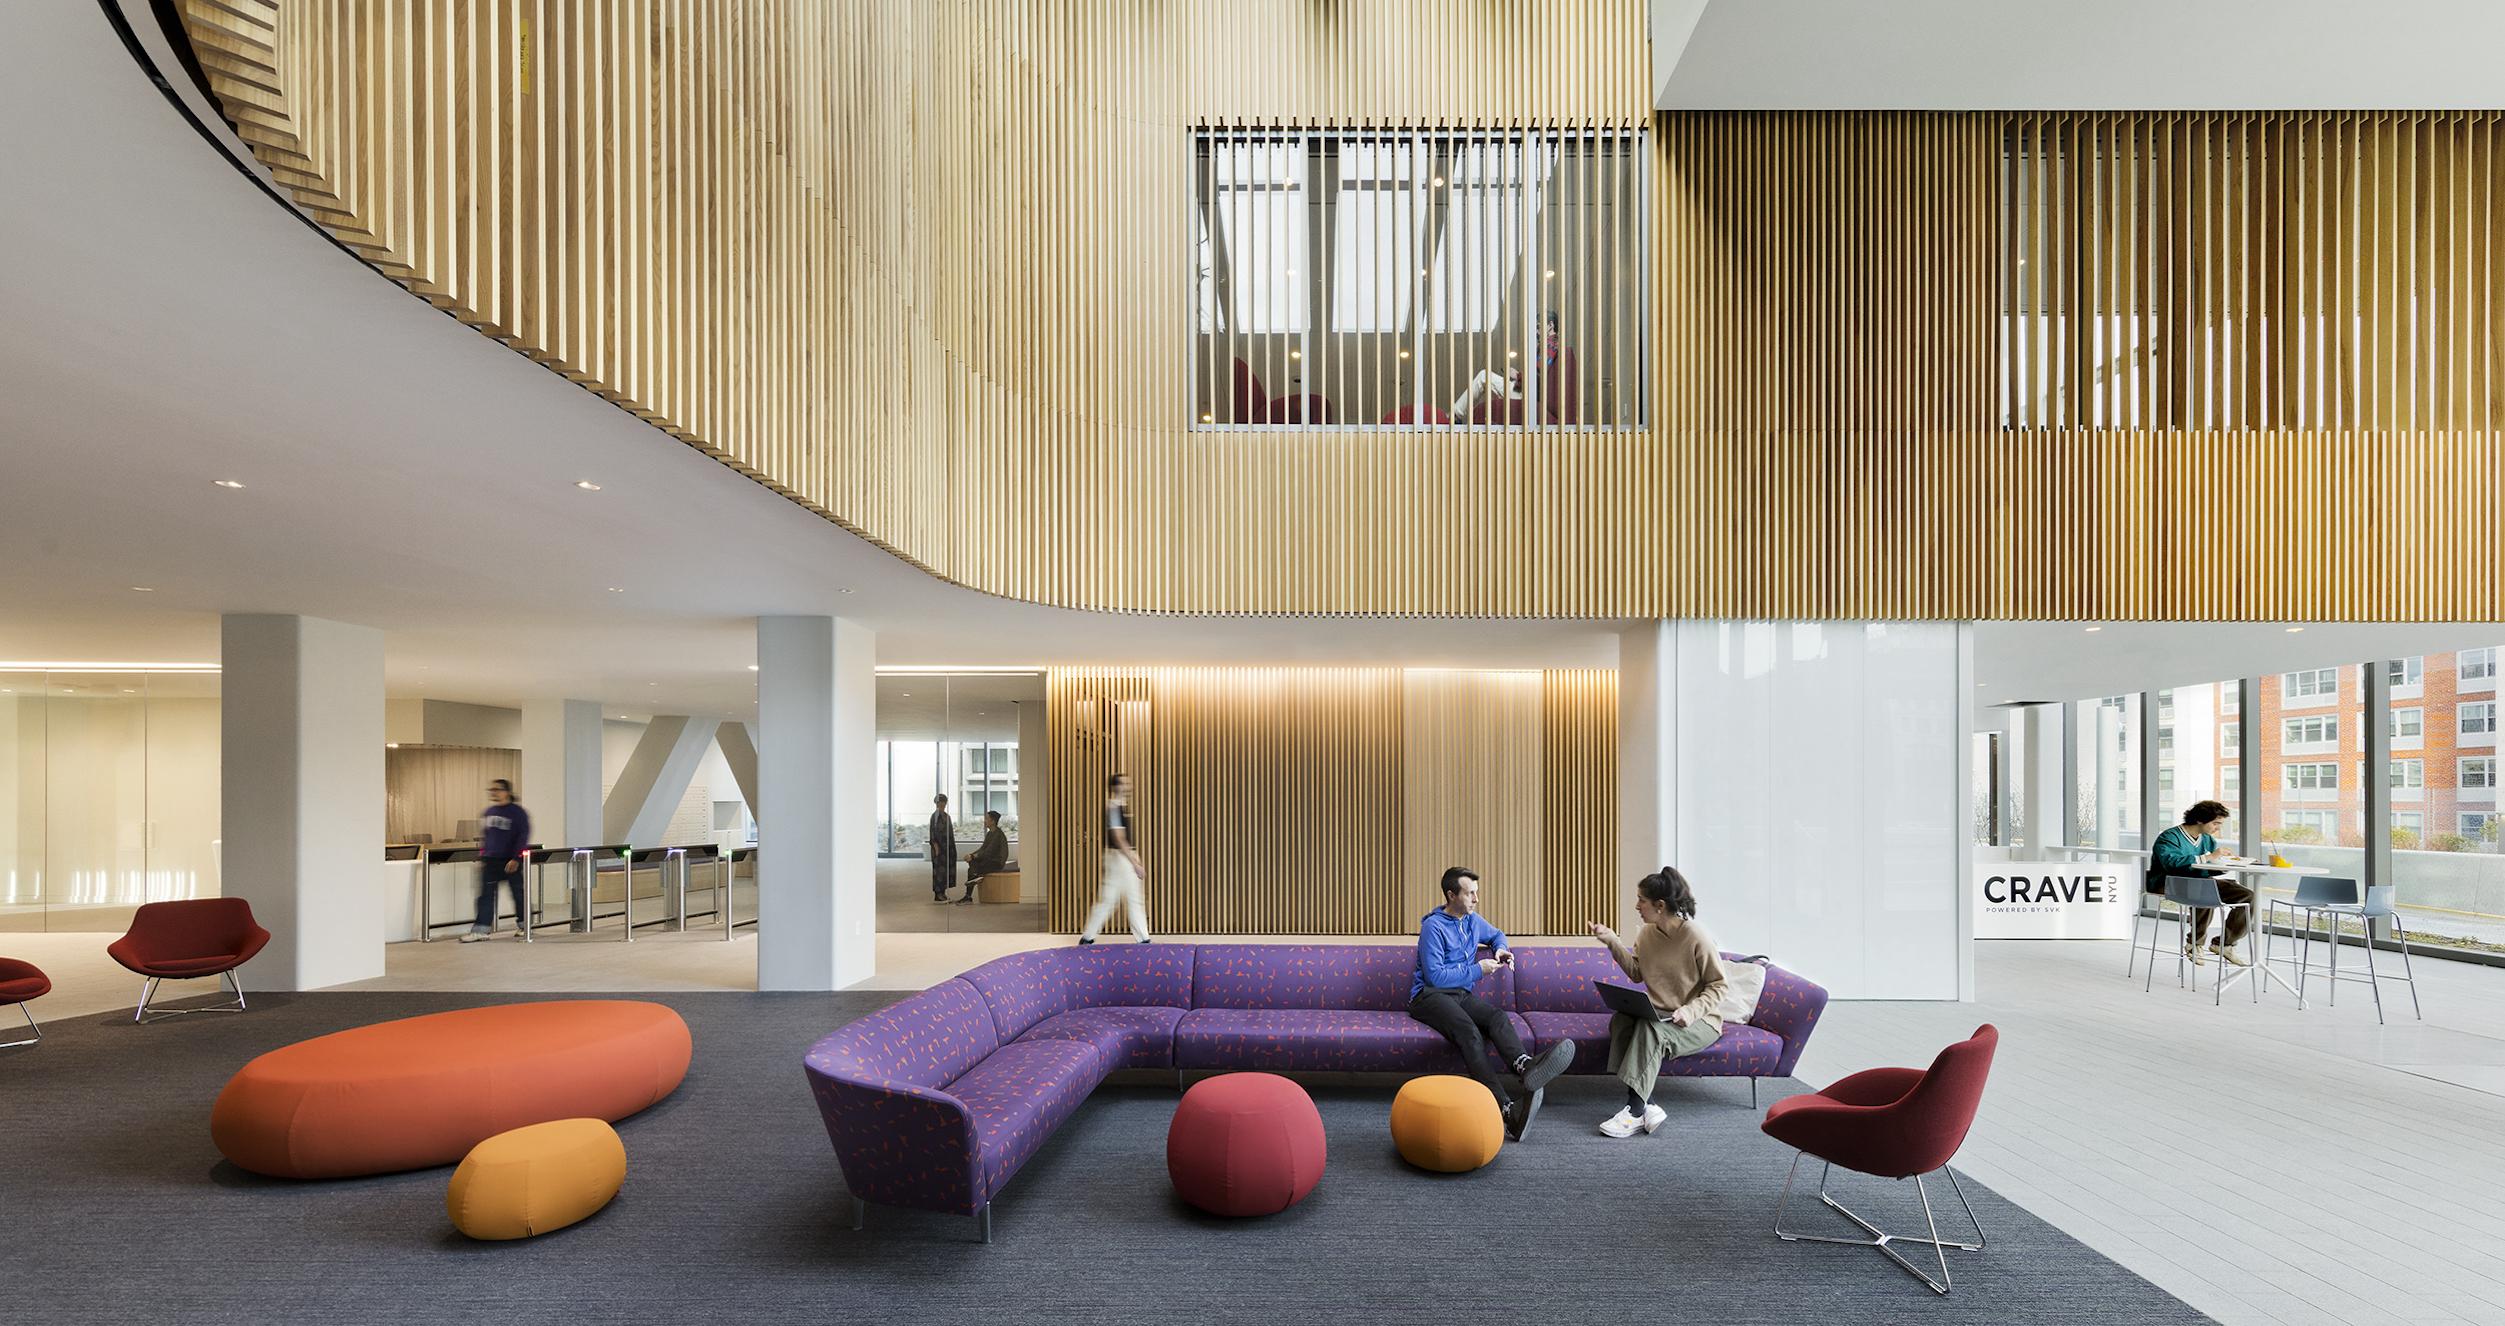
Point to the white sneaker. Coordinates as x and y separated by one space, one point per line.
1654 1118
1621 1124
471 936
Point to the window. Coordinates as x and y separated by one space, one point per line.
2478 720
2408 776
2478 774
1369 278
2404 672
2409 822
2314 732
2478 825
2477 670
2316 687
2312 826
2312 780
2230 736
2408 726
2230 696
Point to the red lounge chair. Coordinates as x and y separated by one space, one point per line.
20 983
1895 1123
186 941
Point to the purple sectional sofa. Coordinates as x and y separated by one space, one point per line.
935 1101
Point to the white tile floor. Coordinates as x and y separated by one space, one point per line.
2266 1165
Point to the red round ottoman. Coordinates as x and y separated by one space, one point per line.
1245 1144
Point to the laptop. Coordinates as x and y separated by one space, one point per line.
1628 1000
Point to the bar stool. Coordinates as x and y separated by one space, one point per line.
2154 890
2314 894
2339 903
2188 894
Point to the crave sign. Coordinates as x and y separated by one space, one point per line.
2051 900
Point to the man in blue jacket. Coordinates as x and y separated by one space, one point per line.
1449 940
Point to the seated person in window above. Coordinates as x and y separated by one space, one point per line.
2183 850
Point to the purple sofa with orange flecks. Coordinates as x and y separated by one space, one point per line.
936 1101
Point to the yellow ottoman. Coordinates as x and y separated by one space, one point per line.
536 1179
1446 1123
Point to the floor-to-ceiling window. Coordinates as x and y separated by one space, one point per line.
2107 757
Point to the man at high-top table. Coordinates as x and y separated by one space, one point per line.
2182 850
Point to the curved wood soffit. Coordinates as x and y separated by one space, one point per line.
899 262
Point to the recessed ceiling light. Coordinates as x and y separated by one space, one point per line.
1439 181
1208 418
587 485
752 667
1295 354
2094 629
1551 274
2294 629
226 483
143 589
391 745
615 590
908 695
843 591
130 690
1404 354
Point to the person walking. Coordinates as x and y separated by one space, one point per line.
943 849
1682 975
504 830
1126 874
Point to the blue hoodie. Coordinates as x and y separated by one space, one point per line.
1448 950
503 831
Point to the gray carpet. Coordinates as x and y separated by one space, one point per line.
119 1209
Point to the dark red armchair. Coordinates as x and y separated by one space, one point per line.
1895 1123
21 982
188 940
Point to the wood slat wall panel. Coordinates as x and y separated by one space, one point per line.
907 264
1329 800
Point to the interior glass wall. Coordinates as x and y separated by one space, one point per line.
1373 278
109 795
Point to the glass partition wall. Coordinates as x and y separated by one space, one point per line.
978 739
109 795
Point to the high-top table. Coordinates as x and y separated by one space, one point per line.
2254 873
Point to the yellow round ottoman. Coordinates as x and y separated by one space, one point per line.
536 1179
1446 1123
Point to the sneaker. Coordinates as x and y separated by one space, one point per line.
1622 1124
1518 1114
2199 957
1654 1118
1084 941
472 936
1543 1069
2231 955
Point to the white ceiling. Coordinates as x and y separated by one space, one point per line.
2078 54
167 325
2022 661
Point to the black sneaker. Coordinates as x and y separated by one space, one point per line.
1518 1114
1545 1068
1084 942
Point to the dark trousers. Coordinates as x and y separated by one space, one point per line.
2239 919
943 877
1470 1022
490 874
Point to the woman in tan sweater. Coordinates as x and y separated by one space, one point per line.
1682 972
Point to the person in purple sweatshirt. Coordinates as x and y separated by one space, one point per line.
1449 940
504 829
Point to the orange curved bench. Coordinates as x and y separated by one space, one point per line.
422 1091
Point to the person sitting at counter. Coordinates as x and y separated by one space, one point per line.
2181 850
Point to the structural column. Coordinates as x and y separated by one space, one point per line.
302 775
1647 784
817 702
561 771
1034 802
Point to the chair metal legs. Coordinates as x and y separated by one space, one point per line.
30 1026
1881 1239
148 991
982 1218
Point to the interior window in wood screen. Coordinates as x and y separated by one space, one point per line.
1366 279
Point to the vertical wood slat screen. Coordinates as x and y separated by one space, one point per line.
1329 800
899 262
2253 271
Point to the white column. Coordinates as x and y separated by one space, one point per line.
817 705
2042 751
302 774
561 771
1647 783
